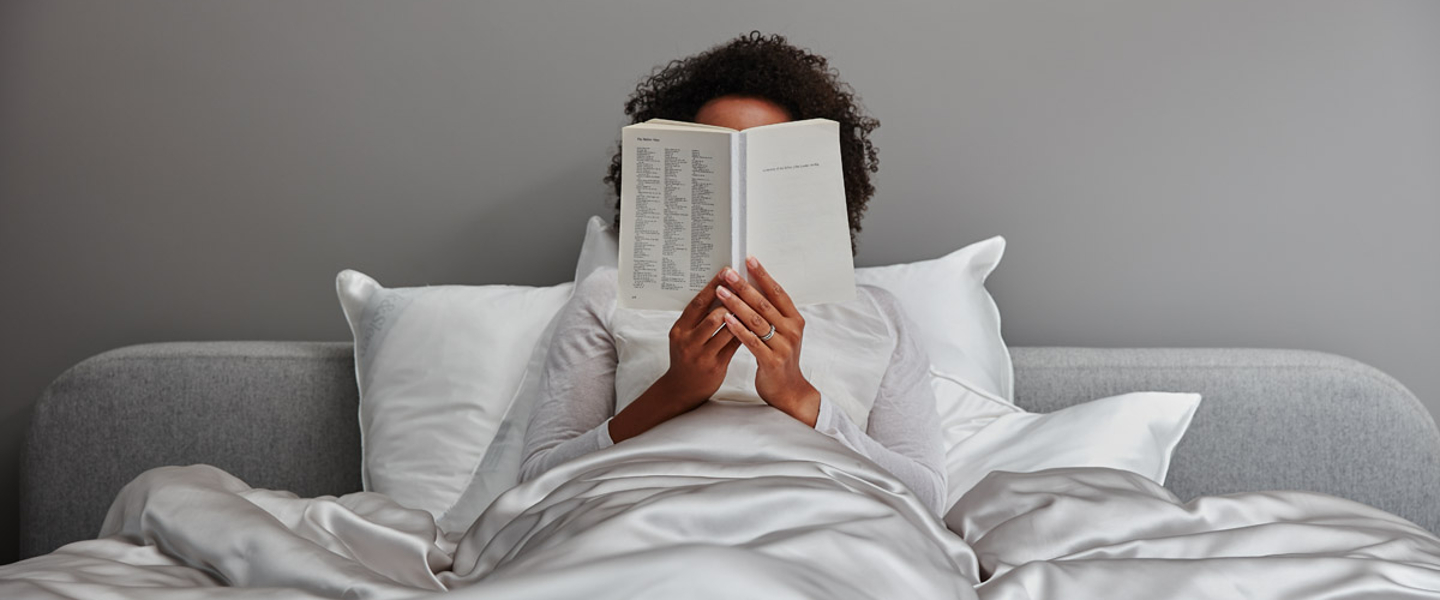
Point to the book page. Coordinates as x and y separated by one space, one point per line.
796 218
674 213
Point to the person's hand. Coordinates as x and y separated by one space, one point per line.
700 351
700 348
754 310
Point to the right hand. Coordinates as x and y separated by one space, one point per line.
700 351
700 348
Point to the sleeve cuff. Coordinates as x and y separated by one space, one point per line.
604 435
834 424
825 418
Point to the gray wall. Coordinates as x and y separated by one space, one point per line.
1227 173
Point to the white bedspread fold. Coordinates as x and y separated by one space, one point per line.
1092 533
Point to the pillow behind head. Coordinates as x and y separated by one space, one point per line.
959 323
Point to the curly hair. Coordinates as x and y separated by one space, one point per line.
754 65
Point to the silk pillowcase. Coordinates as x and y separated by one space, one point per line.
1135 432
438 368
473 353
959 323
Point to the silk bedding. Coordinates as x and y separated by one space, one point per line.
738 501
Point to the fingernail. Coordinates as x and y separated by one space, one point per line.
731 276
752 261
722 292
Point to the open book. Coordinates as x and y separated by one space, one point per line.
695 198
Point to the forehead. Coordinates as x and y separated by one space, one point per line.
741 112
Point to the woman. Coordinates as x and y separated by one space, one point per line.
875 397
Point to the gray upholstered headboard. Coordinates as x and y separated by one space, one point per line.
282 415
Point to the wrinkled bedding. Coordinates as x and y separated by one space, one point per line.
1105 533
737 501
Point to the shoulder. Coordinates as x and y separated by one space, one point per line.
599 282
594 294
883 300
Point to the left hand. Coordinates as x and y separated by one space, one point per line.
753 310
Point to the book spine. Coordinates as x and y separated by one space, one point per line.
738 236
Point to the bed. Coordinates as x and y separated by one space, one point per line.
275 423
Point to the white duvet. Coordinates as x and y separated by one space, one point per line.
738 501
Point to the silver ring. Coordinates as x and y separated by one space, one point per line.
766 337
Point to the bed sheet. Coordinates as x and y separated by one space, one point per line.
734 501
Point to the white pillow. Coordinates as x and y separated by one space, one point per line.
438 368
1135 432
959 321
965 408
